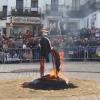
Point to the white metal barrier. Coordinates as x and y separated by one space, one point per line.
19 55
82 53
33 55
14 55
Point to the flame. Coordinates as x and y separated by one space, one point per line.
61 75
54 73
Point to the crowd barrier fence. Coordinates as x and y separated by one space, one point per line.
70 53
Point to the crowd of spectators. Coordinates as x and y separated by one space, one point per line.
83 44
84 38
90 37
20 47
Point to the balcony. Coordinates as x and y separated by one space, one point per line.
30 12
54 10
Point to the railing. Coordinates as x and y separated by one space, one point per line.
73 53
13 55
82 53
26 12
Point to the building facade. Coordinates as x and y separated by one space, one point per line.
3 14
23 15
57 16
92 17
60 16
88 13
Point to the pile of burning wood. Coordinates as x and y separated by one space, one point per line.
54 80
51 81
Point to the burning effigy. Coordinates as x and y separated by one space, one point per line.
55 79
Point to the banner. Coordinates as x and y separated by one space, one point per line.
26 20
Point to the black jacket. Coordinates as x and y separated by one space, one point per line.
45 46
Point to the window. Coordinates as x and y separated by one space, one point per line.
75 4
34 3
4 11
19 4
4 31
54 5
54 2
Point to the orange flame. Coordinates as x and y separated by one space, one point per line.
54 73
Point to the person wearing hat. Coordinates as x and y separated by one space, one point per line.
46 48
45 45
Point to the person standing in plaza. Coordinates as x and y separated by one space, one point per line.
46 49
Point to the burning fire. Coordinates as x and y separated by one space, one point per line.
54 75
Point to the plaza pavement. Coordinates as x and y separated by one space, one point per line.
79 70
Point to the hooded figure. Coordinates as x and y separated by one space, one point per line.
46 48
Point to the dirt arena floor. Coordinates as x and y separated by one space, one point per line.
13 89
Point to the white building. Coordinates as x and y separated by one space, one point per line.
89 14
92 20
25 15
18 16
3 10
56 16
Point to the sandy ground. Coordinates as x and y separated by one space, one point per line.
12 89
